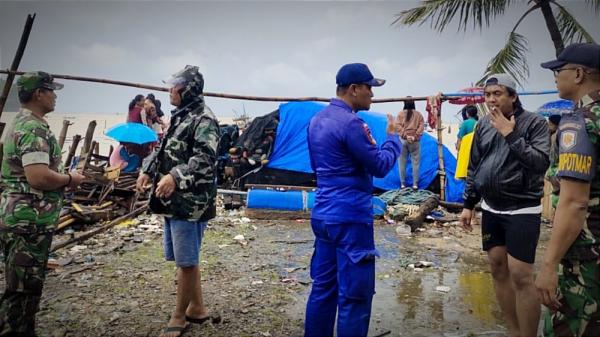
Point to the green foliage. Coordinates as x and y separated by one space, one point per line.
440 13
570 30
511 59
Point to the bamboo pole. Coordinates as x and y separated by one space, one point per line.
263 98
441 169
105 227
213 94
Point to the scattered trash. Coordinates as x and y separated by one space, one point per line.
291 270
443 289
403 230
256 282
77 248
240 239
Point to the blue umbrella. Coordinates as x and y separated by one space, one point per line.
132 133
555 108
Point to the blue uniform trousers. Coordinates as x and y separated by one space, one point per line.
343 273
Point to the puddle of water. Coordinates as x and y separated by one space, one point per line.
407 303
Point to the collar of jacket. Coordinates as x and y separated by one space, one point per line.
340 103
588 99
196 105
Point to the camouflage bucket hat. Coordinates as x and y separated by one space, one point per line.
38 79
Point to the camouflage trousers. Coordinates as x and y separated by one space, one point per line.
26 256
579 295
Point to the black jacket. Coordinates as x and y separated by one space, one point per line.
508 172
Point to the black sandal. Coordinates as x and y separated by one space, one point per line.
197 320
180 329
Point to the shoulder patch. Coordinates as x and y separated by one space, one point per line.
368 133
568 139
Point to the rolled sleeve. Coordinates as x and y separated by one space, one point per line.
35 158
34 147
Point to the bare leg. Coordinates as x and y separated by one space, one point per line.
196 308
504 292
186 284
527 304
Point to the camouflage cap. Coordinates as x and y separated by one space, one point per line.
38 79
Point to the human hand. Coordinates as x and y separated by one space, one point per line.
546 283
76 179
504 125
465 219
391 126
165 187
142 181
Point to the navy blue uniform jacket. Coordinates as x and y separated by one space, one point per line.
345 158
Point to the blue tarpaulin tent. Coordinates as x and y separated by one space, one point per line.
291 149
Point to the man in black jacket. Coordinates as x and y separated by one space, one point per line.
509 157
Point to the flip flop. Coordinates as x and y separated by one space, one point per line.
214 318
197 320
180 329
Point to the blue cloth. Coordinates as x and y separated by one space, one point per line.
182 240
466 127
343 273
133 160
345 157
290 151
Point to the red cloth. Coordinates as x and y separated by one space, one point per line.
434 104
135 115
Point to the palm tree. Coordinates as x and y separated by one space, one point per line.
511 59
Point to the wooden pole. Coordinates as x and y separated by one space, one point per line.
63 133
441 171
16 61
89 136
72 150
11 76
215 94
93 232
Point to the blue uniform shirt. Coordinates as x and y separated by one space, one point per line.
345 157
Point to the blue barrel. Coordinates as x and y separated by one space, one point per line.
293 201
280 200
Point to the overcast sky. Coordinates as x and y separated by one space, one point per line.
261 48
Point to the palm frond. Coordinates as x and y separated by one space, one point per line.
440 13
594 4
510 59
570 29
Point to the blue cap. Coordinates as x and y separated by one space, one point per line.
585 54
357 73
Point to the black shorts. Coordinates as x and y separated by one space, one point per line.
519 233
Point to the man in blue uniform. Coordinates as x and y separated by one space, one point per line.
345 158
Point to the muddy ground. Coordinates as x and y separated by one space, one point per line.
118 284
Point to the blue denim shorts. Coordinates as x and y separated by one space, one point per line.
182 240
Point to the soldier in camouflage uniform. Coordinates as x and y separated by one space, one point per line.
572 260
30 203
183 171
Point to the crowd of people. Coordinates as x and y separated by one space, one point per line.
509 157
146 111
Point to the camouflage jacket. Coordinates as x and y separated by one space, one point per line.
28 141
579 158
189 153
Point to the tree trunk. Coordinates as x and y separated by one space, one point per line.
552 26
